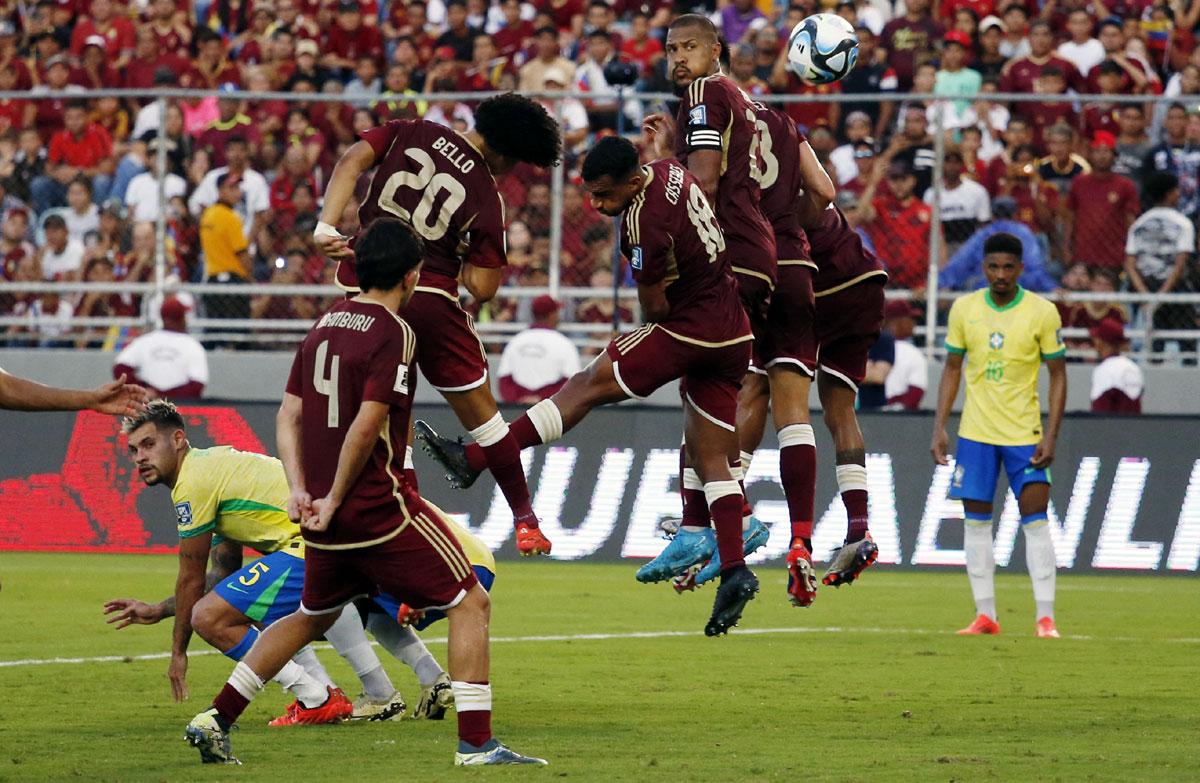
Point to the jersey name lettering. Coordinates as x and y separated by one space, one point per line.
347 320
674 184
450 151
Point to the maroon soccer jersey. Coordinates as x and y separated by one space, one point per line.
781 182
357 352
714 114
437 182
839 254
670 233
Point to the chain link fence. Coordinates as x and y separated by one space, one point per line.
1104 190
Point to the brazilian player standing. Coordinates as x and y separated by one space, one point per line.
1005 333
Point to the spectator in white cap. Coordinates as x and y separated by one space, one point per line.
538 361
570 112
858 127
1117 382
168 362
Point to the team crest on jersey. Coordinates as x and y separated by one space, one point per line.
698 116
635 257
401 384
996 340
183 512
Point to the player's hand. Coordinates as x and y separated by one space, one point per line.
119 398
1043 455
177 674
939 446
337 248
130 611
661 130
320 516
299 505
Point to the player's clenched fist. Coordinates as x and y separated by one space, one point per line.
299 505
319 516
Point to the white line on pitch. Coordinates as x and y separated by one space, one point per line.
585 637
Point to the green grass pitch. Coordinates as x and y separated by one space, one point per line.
869 684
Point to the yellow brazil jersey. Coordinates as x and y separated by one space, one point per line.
1004 348
476 551
238 495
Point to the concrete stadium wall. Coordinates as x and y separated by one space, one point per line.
261 375
1124 498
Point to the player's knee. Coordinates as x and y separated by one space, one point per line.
208 618
475 605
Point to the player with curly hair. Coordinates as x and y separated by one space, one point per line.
442 184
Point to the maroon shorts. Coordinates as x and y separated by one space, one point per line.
423 566
849 322
449 352
710 375
791 337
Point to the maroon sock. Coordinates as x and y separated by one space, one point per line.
475 726
522 430
727 519
803 531
798 474
504 461
855 501
230 704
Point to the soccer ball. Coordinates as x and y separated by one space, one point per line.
822 49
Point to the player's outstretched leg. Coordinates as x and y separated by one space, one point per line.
208 732
859 551
469 664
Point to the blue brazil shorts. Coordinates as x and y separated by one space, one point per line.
977 466
267 589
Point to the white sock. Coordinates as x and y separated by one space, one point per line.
295 679
547 420
1039 558
348 638
471 696
746 456
308 660
981 565
405 646
851 477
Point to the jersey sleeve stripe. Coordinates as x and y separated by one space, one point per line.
955 349
237 504
195 531
1056 355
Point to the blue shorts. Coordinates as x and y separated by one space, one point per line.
391 606
267 589
978 464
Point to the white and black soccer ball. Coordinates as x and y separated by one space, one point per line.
823 48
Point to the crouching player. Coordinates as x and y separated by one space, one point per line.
697 332
225 500
341 433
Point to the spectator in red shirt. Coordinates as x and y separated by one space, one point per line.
1138 77
93 72
641 47
486 68
230 121
170 28
514 36
211 68
1044 115
350 39
898 226
908 35
81 148
1104 116
1101 206
117 31
10 57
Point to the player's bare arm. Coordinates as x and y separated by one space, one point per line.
706 165
653 299
947 392
660 129
1043 455
226 559
356 450
287 444
482 282
189 588
117 398
819 190
353 164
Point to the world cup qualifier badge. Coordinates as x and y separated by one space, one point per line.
183 511
698 116
635 258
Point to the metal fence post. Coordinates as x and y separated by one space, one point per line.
160 228
935 232
556 217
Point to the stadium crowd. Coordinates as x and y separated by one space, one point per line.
1105 194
